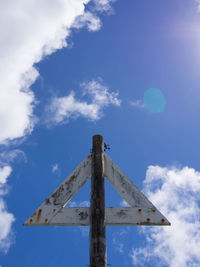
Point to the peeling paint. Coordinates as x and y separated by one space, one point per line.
83 215
121 213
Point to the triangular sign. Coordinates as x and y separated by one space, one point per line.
53 211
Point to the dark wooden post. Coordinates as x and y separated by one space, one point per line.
97 210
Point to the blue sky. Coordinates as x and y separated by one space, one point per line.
128 70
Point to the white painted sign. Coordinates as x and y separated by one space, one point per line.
53 211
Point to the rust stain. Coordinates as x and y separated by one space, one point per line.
148 220
31 220
154 211
39 216
46 220
162 221
139 211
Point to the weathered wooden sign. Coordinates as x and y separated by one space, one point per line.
97 166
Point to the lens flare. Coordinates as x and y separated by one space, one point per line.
154 100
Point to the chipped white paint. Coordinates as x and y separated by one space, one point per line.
62 195
113 216
134 216
68 216
53 210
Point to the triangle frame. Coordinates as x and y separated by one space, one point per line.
61 195
53 211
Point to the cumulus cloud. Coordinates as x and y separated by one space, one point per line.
29 31
176 193
6 218
63 108
89 19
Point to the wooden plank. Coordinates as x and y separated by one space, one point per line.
134 216
113 216
97 210
62 195
126 188
68 216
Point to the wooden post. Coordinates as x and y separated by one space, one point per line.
97 213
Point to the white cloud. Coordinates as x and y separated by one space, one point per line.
118 239
103 5
123 203
84 203
4 173
137 104
79 204
63 108
176 193
100 93
9 156
29 31
88 20
6 218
